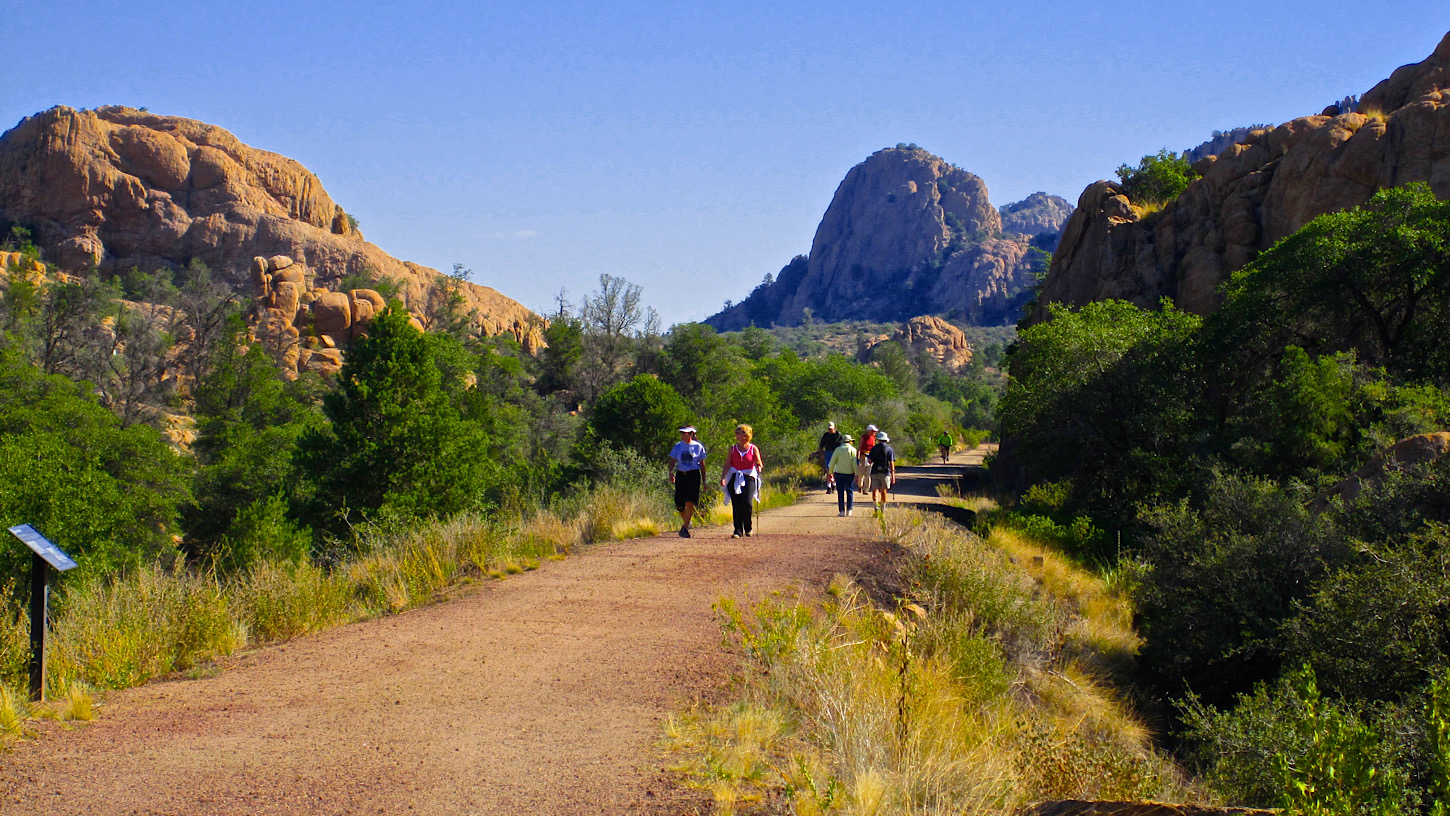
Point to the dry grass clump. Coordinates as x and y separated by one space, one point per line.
148 622
13 713
978 695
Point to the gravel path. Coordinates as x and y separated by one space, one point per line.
542 694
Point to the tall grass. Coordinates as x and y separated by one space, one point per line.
986 689
123 630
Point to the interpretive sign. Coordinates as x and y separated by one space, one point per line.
44 554
42 547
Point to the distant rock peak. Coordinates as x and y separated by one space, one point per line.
907 233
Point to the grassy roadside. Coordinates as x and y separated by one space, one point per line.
121 632
989 686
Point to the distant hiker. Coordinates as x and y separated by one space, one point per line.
686 459
883 470
842 467
741 479
830 440
944 444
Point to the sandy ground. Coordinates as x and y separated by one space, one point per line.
545 693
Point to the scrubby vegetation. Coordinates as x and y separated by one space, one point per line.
986 688
1293 613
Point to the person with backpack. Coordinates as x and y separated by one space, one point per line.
883 470
842 468
687 458
741 479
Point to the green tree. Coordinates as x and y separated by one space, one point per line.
396 441
249 421
108 495
1375 279
695 358
1108 397
559 360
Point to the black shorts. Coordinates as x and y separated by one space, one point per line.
687 488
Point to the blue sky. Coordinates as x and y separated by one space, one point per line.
689 147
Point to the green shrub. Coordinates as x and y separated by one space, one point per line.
1157 179
1224 581
642 415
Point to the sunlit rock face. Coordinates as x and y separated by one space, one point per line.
115 188
1254 193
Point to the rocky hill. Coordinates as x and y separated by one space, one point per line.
1254 193
117 187
908 234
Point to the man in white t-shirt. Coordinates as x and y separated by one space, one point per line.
686 459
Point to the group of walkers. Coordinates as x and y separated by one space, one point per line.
848 469
740 477
870 468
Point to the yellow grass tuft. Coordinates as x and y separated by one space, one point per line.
77 704
12 714
635 528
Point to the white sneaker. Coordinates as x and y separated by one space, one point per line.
848 512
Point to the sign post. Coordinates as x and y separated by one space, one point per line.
43 554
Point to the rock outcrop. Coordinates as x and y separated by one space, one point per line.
1037 215
907 233
934 337
117 187
1406 454
1255 193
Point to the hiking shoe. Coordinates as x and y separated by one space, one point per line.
749 534
840 514
684 532
848 512
734 535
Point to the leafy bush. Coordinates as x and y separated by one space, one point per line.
642 415
1286 745
1158 178
1224 580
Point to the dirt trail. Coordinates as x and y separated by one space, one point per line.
544 693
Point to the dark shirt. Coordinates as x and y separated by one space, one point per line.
881 457
830 440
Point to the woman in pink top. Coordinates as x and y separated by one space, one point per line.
741 479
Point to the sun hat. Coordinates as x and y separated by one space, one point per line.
688 429
847 438
882 437
871 428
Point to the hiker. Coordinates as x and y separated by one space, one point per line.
944 444
868 440
830 440
883 470
741 479
842 467
686 459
